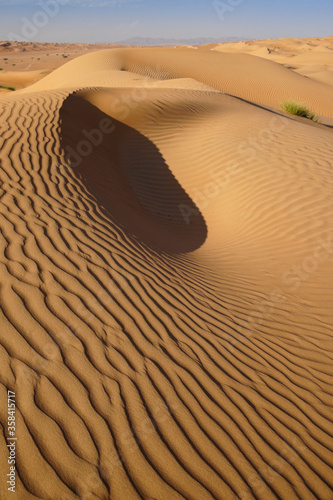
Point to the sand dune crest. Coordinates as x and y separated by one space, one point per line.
166 280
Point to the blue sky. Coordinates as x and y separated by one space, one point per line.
106 21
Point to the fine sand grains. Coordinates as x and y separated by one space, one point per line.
166 264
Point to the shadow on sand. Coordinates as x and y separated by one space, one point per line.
128 176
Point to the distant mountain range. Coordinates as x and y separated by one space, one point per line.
137 40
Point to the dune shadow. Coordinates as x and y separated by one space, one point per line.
129 178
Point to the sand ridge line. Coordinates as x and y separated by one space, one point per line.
137 368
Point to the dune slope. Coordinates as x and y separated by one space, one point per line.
243 75
166 283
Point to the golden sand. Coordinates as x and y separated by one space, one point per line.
166 265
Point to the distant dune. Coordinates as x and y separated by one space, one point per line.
166 265
138 40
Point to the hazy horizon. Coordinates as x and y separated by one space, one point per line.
110 21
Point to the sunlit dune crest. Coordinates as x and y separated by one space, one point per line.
166 265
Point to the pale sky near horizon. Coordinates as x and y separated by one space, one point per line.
107 21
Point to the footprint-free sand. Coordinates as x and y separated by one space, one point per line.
166 265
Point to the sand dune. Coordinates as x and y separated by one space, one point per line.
242 75
166 280
302 55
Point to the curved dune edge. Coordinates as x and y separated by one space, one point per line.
166 298
242 75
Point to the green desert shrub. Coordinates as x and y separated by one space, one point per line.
7 88
294 108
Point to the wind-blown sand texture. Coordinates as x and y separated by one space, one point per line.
166 275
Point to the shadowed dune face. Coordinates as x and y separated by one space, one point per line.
200 374
129 178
